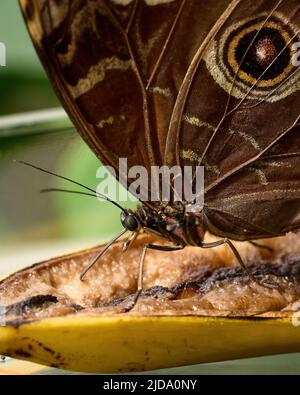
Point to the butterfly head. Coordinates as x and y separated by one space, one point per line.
130 221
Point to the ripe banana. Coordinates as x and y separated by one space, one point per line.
197 308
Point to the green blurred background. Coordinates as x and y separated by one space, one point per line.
26 216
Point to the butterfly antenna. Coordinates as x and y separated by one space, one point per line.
99 256
96 194
49 190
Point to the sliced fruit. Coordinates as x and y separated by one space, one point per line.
197 306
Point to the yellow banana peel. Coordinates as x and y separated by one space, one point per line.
54 319
114 344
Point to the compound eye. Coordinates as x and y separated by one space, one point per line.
129 222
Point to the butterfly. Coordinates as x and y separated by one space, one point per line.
185 83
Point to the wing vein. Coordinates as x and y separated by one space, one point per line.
226 113
149 143
254 159
176 119
131 19
161 55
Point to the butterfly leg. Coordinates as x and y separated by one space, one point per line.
141 268
238 257
129 241
262 246
235 252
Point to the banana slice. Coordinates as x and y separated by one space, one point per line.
197 306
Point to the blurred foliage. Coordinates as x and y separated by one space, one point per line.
25 92
23 82
25 215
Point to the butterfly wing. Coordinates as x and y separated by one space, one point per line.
237 114
102 57
118 66
182 82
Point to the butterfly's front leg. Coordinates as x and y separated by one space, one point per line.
129 241
141 268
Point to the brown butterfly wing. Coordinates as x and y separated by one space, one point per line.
245 132
84 47
101 57
118 68
144 81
